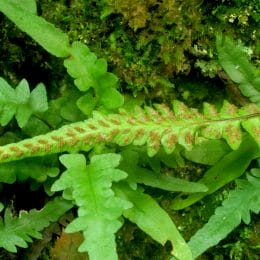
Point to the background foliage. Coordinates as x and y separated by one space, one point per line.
160 51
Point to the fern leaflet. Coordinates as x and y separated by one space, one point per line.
242 200
19 102
91 72
138 174
17 231
99 208
153 220
36 168
227 169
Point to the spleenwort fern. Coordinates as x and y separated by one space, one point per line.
18 231
242 200
155 128
107 187
19 102
99 208
101 204
227 169
90 72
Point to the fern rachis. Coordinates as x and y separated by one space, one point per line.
155 128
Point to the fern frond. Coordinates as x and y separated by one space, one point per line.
99 208
82 64
51 38
36 168
152 219
153 128
237 207
138 174
18 231
19 102
91 72
227 169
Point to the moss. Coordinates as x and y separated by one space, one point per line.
163 50
147 43
150 45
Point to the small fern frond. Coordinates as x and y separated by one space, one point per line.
19 102
91 72
150 127
237 207
18 231
99 208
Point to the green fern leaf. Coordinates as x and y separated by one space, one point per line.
242 200
20 102
99 208
18 231
36 168
51 38
88 72
137 174
153 220
227 169
153 128
208 152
